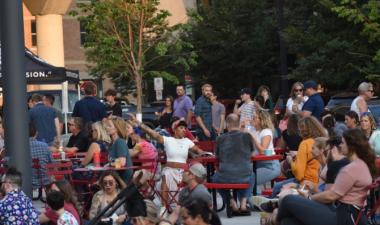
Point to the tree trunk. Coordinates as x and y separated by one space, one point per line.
138 81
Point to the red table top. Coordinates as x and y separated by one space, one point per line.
261 157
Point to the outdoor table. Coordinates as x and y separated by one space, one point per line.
102 169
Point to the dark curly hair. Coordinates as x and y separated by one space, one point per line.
357 143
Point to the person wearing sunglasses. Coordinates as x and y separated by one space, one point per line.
359 104
110 186
296 100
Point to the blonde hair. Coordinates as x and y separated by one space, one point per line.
296 84
310 127
320 142
121 127
265 119
370 118
101 132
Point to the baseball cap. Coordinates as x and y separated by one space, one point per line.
198 170
247 91
180 123
310 84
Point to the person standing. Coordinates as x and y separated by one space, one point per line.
113 106
203 113
45 119
247 109
16 207
314 106
89 108
359 104
218 113
182 105
48 100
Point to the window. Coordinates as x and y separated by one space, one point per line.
82 34
34 33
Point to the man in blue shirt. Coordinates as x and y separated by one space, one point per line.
45 119
314 106
203 113
89 108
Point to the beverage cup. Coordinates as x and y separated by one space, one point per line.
267 152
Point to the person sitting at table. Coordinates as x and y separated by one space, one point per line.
110 186
118 152
143 149
78 141
177 150
70 205
344 201
262 139
290 138
234 150
100 142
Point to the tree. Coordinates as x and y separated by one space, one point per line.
237 45
325 47
125 39
367 15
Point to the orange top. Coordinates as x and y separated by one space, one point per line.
305 167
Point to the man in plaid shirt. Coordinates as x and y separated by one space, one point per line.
39 150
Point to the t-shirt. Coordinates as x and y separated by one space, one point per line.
43 118
292 141
351 183
147 151
246 111
114 109
200 192
334 168
177 150
290 102
67 219
119 149
89 109
80 141
263 133
218 109
234 149
53 217
181 106
315 105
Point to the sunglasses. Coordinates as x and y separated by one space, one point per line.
298 90
108 183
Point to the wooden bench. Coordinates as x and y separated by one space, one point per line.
227 187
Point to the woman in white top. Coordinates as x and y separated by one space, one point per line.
359 104
177 151
296 100
263 141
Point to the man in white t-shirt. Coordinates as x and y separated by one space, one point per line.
359 104
247 109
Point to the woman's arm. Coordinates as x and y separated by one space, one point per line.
153 134
265 141
300 163
325 197
43 218
196 149
135 151
95 206
94 147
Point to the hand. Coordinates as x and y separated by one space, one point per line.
237 102
303 192
289 158
120 219
207 132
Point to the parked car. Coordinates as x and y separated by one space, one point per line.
149 117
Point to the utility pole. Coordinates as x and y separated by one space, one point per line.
14 90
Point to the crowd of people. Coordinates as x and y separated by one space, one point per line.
327 168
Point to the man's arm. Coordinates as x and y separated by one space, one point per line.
57 128
304 113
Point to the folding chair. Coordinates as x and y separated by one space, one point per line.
36 167
60 171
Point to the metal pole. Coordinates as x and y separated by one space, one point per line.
14 89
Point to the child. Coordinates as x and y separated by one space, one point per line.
55 201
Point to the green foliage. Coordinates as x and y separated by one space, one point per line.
113 43
325 47
236 42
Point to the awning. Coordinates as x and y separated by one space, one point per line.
38 71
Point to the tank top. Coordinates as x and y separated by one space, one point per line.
354 106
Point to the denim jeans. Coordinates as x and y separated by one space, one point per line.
278 186
267 171
241 193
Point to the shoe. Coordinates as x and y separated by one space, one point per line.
269 206
258 200
244 212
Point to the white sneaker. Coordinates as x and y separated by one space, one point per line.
258 200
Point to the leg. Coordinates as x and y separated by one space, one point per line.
290 221
164 192
278 186
306 211
267 171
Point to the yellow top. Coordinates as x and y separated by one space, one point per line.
305 167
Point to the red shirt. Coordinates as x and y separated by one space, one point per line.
53 217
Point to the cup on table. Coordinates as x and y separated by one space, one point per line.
267 152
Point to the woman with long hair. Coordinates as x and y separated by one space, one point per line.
197 212
110 186
118 129
367 124
296 100
71 202
165 115
264 91
263 142
290 138
100 142
343 202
